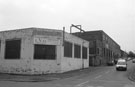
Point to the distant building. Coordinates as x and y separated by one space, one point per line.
41 51
124 54
102 49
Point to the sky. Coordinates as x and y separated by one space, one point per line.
115 17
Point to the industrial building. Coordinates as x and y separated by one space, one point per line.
103 50
41 51
124 54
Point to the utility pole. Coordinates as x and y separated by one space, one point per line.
63 35
79 27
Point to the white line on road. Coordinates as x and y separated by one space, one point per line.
107 72
82 83
94 86
98 77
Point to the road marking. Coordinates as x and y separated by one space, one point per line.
107 72
129 86
89 86
94 86
98 77
82 83
133 83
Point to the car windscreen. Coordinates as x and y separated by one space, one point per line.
121 63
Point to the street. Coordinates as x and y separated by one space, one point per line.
105 76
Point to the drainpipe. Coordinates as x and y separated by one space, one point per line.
95 63
82 57
63 35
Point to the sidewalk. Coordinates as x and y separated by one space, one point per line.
47 77
55 76
131 75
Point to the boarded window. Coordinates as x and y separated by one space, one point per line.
0 45
92 51
45 52
13 49
84 53
77 51
67 49
104 52
97 51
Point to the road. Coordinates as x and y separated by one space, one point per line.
105 76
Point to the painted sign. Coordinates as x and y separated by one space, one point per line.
50 41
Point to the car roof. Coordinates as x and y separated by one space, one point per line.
121 60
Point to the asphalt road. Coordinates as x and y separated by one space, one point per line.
105 76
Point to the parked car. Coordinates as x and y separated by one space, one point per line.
121 65
110 63
133 60
128 58
115 61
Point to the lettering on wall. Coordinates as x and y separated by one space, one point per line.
39 40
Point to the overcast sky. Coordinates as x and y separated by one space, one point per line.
115 17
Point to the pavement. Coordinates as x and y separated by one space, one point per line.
131 75
54 76
46 77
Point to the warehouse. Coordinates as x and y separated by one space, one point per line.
103 50
41 51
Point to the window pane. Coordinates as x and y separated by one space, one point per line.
67 49
84 53
0 45
97 50
44 52
92 51
77 51
12 50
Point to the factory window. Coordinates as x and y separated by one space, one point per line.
84 53
13 49
109 53
44 52
67 49
104 52
97 50
92 51
103 37
77 51
0 45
